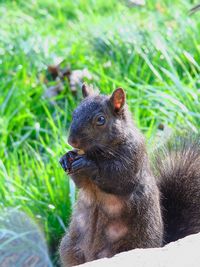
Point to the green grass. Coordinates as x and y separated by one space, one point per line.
153 53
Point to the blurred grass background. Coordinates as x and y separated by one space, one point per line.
152 51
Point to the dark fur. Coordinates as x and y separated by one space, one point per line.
177 167
118 193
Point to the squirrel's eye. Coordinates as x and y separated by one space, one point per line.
100 120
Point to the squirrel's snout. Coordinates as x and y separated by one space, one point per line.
73 142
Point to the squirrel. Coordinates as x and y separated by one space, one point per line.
124 202
118 205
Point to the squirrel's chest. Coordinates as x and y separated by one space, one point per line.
100 222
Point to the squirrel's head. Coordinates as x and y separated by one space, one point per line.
99 121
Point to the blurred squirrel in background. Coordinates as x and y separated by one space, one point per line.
120 198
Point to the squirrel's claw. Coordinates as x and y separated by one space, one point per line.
67 160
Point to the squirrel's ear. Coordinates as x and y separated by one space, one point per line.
86 90
118 99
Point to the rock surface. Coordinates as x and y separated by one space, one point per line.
22 243
183 253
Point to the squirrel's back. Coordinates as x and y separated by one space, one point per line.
177 168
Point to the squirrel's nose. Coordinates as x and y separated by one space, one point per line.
73 142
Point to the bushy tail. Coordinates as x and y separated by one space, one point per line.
177 168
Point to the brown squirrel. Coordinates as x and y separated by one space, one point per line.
119 204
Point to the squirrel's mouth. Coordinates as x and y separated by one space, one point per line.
79 144
81 148
80 151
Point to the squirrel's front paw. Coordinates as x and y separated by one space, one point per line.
67 160
83 165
